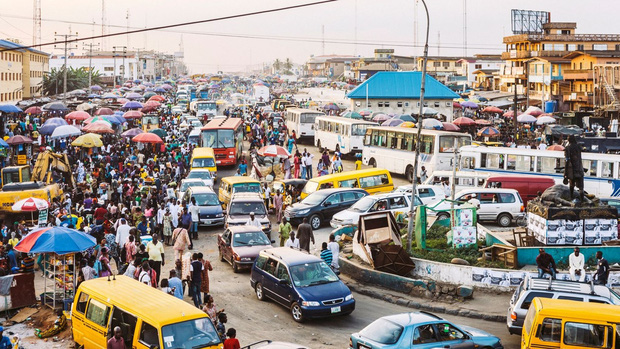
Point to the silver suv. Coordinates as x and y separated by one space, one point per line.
240 206
557 289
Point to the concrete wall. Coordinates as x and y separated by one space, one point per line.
463 275
407 106
527 255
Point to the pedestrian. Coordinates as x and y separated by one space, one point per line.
278 201
286 168
175 284
302 162
130 249
326 255
602 271
195 269
231 342
296 163
167 223
545 264
335 249
104 261
147 275
423 175
309 158
204 282
358 162
576 263
292 242
194 210
222 319
181 242
305 235
116 342
284 230
253 222
155 250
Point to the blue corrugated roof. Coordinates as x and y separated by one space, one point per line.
17 47
401 85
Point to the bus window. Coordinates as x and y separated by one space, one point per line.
358 130
446 144
551 330
407 143
391 140
426 142
349 183
468 162
493 161
586 335
336 127
524 163
590 166
607 169
327 185
511 162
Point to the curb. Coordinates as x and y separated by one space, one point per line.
399 284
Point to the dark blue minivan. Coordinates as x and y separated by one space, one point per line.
301 282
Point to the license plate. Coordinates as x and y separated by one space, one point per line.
218 161
207 221
335 310
362 346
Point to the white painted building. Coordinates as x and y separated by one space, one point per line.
480 62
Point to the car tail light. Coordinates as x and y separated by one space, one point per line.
513 316
350 343
522 208
236 257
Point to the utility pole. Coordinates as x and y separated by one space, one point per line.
66 38
90 62
115 51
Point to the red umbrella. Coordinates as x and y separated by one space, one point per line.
150 103
33 110
483 122
19 139
121 100
30 205
456 105
158 98
464 121
273 151
492 109
98 127
147 137
555 147
448 126
77 115
133 114
511 114
104 111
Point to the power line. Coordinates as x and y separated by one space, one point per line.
248 14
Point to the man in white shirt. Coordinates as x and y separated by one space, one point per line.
122 233
194 210
333 246
309 158
576 263
542 146
253 222
292 242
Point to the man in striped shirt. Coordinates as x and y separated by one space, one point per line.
326 254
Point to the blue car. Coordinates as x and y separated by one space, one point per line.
211 213
301 282
421 330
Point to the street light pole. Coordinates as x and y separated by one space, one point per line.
419 133
66 38
90 62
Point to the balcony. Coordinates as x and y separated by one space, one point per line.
561 38
578 74
580 97
531 54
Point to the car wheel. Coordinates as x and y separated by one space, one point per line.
235 266
259 292
409 173
504 220
318 145
296 312
372 163
443 216
315 222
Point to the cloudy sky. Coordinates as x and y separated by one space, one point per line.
241 43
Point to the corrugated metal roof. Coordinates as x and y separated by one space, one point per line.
17 47
401 85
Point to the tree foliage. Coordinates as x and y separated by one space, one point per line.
77 78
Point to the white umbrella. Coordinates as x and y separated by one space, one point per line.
66 131
526 118
30 205
432 124
429 111
545 119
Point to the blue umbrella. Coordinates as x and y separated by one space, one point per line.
3 143
132 105
93 95
9 108
57 240
160 90
113 120
120 118
50 125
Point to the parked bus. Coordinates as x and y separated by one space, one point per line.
225 136
302 121
338 133
392 148
600 179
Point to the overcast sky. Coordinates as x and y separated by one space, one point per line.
237 44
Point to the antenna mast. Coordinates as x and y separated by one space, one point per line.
36 24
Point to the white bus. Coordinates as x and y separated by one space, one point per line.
601 177
302 121
392 148
335 132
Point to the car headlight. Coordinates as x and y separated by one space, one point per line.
219 215
246 259
302 212
310 303
349 297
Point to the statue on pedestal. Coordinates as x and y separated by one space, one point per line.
573 170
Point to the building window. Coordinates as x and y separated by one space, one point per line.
380 104
446 64
436 104
448 104
436 64
399 104
458 64
386 104
599 47
108 69
478 66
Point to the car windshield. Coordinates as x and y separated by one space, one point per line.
246 188
314 199
382 331
208 199
244 208
192 334
250 239
311 274
199 174
203 162
187 184
363 205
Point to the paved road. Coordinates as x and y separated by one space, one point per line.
255 320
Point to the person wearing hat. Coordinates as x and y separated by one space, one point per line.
253 222
5 342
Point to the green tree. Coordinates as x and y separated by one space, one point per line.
277 65
52 83
288 66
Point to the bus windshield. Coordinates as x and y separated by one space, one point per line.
206 106
307 118
358 130
199 333
218 138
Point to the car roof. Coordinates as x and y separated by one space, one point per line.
201 190
245 196
406 319
185 180
487 190
199 170
240 179
339 190
291 256
388 195
566 286
243 229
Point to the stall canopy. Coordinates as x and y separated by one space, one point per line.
57 240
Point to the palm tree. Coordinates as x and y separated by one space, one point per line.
288 65
277 65
52 83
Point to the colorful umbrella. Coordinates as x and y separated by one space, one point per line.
132 105
511 114
483 122
464 121
57 240
3 144
33 110
153 103
9 108
489 132
428 111
66 131
50 125
534 111
19 139
96 88
166 86
98 127
104 111
365 112
131 133
469 104
89 140
158 98
351 115
447 126
407 124
274 151
133 95
110 95
405 117
331 106
380 118
98 118
55 106
30 205
147 137
456 105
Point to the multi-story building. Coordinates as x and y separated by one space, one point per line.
383 60
329 66
21 72
478 70
594 79
447 70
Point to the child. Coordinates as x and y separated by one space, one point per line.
231 342
358 163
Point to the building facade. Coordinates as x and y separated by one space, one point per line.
21 72
471 68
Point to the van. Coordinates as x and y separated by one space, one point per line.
527 186
242 204
204 158
556 289
194 137
555 323
373 180
238 184
148 317
301 282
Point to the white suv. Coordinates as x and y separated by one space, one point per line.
501 205
397 202
429 194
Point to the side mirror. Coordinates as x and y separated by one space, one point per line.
283 282
273 241
327 204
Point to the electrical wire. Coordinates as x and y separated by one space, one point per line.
142 30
